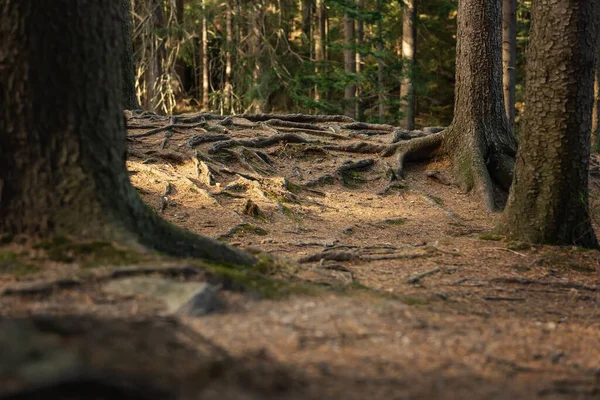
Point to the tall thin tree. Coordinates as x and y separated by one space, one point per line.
349 62
509 57
409 53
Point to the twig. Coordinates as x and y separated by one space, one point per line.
499 298
510 251
418 277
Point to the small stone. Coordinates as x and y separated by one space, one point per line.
348 229
185 298
268 240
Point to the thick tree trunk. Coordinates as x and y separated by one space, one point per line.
62 140
349 66
409 43
478 141
130 101
509 57
548 202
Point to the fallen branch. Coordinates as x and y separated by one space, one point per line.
417 278
330 256
495 298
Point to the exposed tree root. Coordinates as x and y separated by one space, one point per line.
258 143
368 127
296 118
200 139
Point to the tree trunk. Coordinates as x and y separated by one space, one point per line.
409 43
549 199
318 38
596 112
349 66
254 45
360 38
381 107
509 57
130 101
62 139
478 141
205 82
228 50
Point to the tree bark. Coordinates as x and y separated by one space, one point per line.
205 77
130 101
349 65
596 112
409 43
228 50
318 38
549 199
509 57
381 106
62 138
360 38
478 141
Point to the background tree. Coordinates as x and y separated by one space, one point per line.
478 141
130 101
509 57
62 140
349 63
409 53
548 202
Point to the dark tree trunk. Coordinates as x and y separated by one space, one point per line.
478 141
130 101
549 199
409 43
509 57
62 140
596 113
349 65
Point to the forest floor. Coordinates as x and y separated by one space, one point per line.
374 290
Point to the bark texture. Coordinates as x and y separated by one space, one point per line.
478 141
62 139
409 42
549 199
509 56
349 66
596 113
130 101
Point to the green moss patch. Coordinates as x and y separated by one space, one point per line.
11 264
89 254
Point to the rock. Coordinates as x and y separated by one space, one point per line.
349 229
192 299
433 129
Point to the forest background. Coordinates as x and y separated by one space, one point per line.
306 56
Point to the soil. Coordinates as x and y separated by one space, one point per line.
411 294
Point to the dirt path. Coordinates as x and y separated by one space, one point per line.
418 299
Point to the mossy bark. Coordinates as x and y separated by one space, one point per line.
478 141
549 199
62 139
